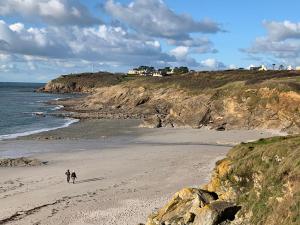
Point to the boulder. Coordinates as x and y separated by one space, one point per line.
192 206
20 162
152 122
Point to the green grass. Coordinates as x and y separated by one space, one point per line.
276 161
194 83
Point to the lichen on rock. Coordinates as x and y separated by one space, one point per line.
195 207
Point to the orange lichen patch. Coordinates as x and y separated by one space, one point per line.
222 169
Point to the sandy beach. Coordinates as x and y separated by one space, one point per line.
124 172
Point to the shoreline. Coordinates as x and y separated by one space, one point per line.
122 177
68 123
56 111
104 133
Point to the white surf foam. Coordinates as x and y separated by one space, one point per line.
57 107
68 122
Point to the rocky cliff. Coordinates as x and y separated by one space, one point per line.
256 184
81 83
227 100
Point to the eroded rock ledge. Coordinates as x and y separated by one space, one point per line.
220 100
194 206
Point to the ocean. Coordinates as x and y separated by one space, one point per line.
24 112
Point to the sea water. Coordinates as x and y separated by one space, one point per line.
24 112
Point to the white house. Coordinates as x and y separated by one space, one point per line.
170 72
258 68
263 68
132 72
290 67
157 74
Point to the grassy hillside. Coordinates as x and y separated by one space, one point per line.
203 81
193 82
257 183
262 177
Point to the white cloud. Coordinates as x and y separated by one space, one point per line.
280 31
55 12
154 18
180 52
4 57
212 64
232 67
17 27
101 43
31 65
281 42
6 67
61 36
196 45
32 41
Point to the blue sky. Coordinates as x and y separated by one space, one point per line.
41 39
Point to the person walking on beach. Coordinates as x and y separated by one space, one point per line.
68 174
73 176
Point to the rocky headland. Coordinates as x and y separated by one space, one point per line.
258 182
220 100
81 83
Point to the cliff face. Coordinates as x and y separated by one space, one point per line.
222 100
267 105
257 184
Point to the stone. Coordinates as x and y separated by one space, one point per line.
152 122
192 206
20 162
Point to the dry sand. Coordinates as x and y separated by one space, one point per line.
117 184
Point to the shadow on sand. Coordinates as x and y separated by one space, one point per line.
89 180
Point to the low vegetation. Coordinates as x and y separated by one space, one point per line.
264 178
84 82
199 81
193 81
90 80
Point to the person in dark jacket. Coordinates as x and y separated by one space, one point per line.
73 176
68 174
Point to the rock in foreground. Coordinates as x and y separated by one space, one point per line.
195 207
20 162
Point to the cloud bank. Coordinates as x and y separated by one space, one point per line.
281 42
66 35
154 18
55 12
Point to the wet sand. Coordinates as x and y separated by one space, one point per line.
124 172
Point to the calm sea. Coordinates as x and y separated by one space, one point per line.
24 112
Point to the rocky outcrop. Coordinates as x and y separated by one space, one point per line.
257 183
194 207
220 100
20 162
260 108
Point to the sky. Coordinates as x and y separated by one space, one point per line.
42 39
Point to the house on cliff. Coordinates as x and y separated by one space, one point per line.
258 68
